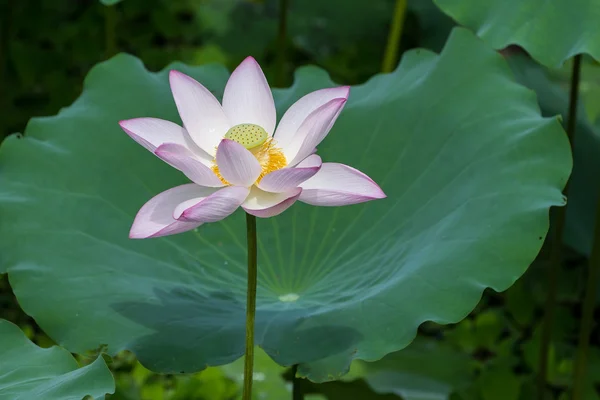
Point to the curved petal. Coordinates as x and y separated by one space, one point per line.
264 204
236 164
212 208
184 160
312 131
286 179
155 218
248 99
152 132
300 110
201 113
339 185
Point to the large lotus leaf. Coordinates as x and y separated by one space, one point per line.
425 370
469 166
584 188
551 31
31 372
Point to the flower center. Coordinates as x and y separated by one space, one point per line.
248 135
255 139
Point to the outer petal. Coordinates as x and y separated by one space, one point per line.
284 180
152 132
200 111
185 161
300 110
312 131
155 218
237 165
339 185
248 98
264 204
212 208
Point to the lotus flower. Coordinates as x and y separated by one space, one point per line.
235 157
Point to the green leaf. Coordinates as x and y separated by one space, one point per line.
30 372
584 189
551 31
425 370
110 2
469 177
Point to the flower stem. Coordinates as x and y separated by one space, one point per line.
556 249
391 50
297 393
250 306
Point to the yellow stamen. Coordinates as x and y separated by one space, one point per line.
270 158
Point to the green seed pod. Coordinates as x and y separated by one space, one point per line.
248 135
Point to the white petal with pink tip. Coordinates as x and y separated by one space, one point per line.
184 160
152 132
301 109
248 98
200 111
236 164
155 218
286 179
312 131
213 207
265 204
339 185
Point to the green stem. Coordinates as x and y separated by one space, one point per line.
110 30
281 42
5 22
250 306
556 249
587 318
390 57
589 300
297 393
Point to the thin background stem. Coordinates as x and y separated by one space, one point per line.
5 21
110 30
556 245
250 306
587 318
282 42
390 58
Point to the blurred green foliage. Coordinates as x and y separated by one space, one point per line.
47 47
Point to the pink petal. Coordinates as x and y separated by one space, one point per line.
155 218
300 110
339 185
284 180
264 204
212 208
186 161
248 98
201 113
152 132
312 131
236 164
